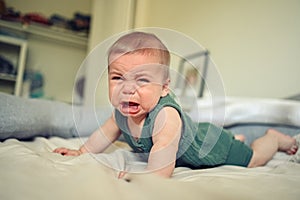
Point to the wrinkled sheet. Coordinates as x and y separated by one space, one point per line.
29 170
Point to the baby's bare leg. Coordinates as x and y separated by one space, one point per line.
266 146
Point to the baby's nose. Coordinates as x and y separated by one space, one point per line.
129 87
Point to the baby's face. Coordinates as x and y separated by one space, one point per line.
136 83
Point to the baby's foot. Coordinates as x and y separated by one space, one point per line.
286 143
240 137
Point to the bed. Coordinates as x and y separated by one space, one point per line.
31 129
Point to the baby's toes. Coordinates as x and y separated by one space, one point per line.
293 150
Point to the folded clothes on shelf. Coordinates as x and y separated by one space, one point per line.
6 67
79 22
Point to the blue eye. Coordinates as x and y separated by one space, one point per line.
143 80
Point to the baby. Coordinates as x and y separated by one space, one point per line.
153 123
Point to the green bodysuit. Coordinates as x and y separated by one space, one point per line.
201 145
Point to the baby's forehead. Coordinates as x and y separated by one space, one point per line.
155 55
139 69
136 59
136 63
148 67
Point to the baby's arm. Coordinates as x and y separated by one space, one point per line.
166 136
97 142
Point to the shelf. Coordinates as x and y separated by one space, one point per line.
18 51
8 77
49 32
7 87
11 40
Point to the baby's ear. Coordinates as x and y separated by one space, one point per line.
166 88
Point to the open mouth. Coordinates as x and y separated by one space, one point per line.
129 107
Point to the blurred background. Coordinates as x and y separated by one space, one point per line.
254 44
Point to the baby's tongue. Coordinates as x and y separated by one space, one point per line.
130 106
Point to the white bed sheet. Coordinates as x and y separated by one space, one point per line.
29 170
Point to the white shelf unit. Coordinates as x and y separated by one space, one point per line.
48 32
14 50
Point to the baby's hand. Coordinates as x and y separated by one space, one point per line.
123 175
67 152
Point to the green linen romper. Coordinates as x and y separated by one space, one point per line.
202 145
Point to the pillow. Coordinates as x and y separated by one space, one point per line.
23 118
232 110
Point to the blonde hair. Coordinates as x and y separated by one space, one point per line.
140 43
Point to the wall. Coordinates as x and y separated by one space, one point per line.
255 44
47 8
110 18
58 63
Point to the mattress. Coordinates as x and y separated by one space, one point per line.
29 170
31 129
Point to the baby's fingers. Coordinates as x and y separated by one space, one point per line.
293 150
125 176
121 174
72 153
61 150
67 152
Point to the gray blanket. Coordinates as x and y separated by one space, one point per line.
24 118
